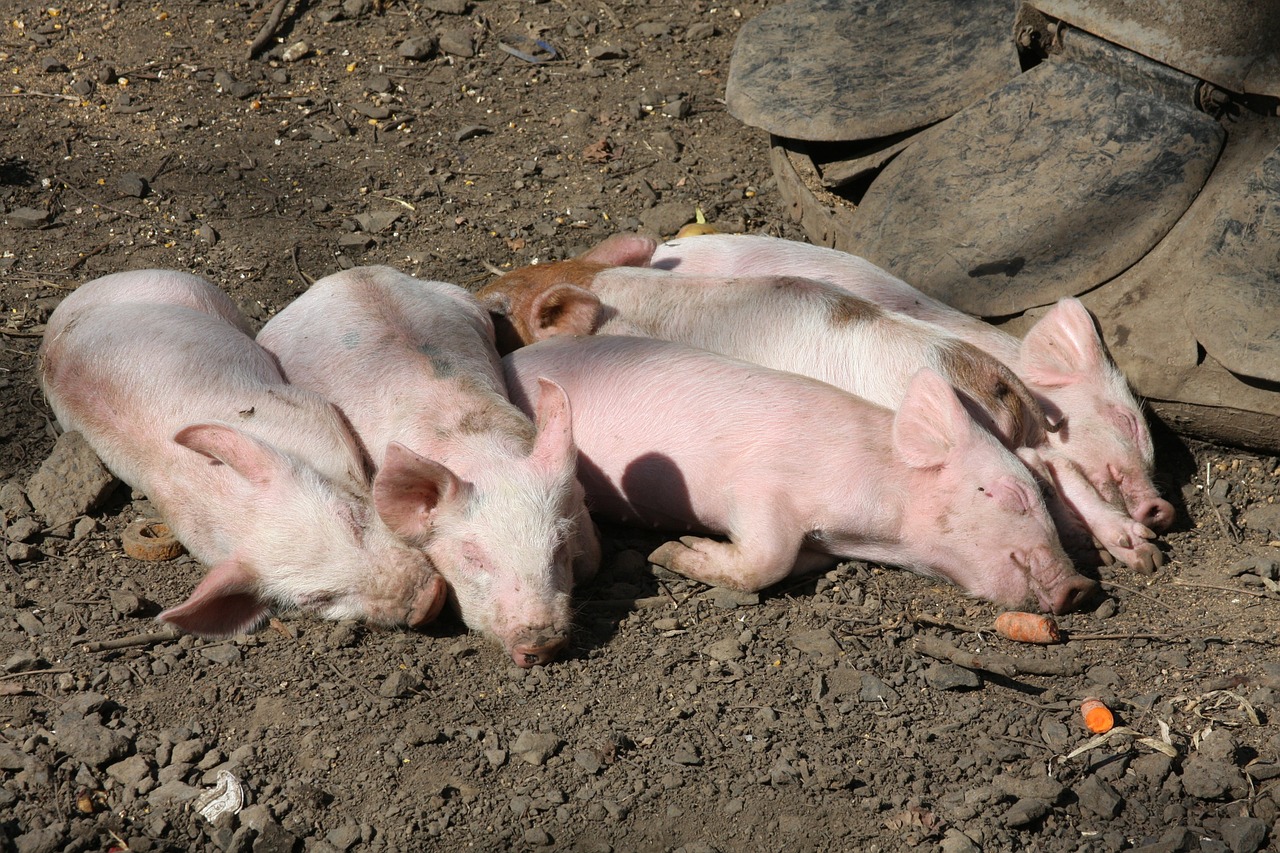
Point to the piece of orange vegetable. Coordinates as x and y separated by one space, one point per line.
1027 627
1097 716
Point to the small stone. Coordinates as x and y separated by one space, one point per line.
687 754
10 758
606 51
23 660
132 184
495 757
355 8
1243 834
816 642
536 747
537 837
132 770
588 761
13 499
678 108
458 42
417 47
224 653
70 482
125 603
377 112
50 65
700 31
470 132
173 791
400 683
447 7
1025 812
731 599
295 51
206 234
1036 788
1098 797
27 217
22 530
356 240
45 840
874 690
667 218
948 676
955 841
21 552
29 622
724 650
1264 518
90 742
188 752
344 837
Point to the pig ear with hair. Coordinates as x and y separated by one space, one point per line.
408 489
622 250
931 422
1063 347
563 309
225 602
553 447
252 459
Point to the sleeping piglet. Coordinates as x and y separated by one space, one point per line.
795 472
262 482
462 473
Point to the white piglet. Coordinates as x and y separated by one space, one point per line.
462 473
261 481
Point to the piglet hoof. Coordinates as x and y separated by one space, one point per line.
1146 558
146 539
668 554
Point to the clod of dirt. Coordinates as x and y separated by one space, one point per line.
27 217
70 482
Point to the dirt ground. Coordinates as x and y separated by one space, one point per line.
813 717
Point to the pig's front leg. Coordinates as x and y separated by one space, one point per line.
747 565
1124 538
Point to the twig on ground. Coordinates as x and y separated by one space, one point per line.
1221 588
1000 664
268 29
25 673
151 639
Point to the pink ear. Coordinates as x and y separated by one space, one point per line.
408 489
930 423
622 250
563 309
252 459
554 445
224 603
1063 347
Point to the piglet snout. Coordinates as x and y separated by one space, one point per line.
538 650
1156 513
1071 593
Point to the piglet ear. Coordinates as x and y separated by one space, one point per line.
622 250
224 603
1063 347
553 448
408 489
249 457
563 309
930 423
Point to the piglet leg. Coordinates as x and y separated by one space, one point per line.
1124 538
749 563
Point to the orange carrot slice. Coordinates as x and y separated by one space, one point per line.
1097 716
1027 627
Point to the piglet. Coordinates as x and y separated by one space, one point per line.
795 472
1098 425
816 329
261 481
462 472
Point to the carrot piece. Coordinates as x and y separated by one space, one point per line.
1097 716
1027 627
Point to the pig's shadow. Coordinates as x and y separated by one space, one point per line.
602 603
